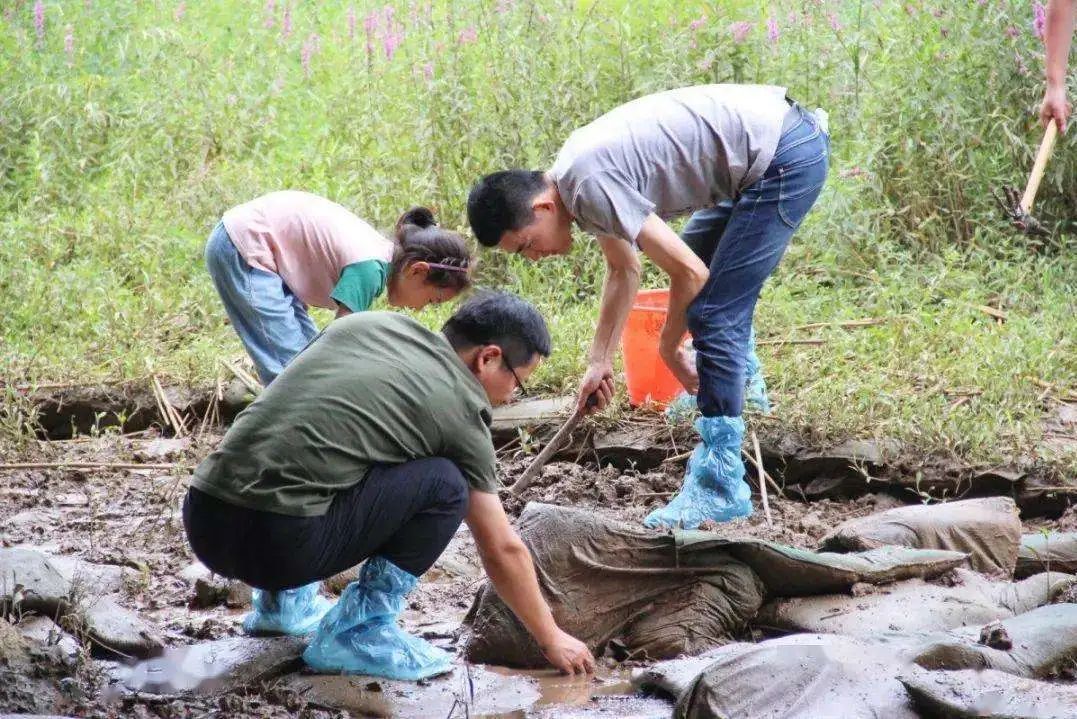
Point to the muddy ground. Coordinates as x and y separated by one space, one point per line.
128 519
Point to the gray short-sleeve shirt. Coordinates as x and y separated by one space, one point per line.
670 153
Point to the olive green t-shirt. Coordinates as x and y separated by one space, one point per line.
373 388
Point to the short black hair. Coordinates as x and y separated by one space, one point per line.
503 319
501 202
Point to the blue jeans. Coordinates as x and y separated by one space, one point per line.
742 242
272 323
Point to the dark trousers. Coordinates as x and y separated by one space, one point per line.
406 513
742 242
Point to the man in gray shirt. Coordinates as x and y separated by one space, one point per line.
749 164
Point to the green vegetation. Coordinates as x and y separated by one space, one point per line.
127 128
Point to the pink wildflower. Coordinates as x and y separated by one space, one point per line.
910 10
286 25
773 33
740 30
181 10
696 24
1012 32
310 46
791 18
351 22
69 45
1039 19
392 40
1022 68
937 12
835 24
705 64
271 13
504 6
428 71
39 21
370 27
468 35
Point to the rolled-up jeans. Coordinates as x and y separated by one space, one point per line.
270 320
742 241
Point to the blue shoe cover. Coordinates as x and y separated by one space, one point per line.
291 611
755 387
360 635
714 486
682 409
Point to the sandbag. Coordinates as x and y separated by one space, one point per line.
800 677
1038 644
988 530
1035 591
1051 552
988 695
909 606
672 677
606 580
791 572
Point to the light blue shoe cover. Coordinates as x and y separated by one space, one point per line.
681 409
755 387
360 634
290 611
714 486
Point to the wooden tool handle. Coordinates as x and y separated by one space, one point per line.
1046 146
532 471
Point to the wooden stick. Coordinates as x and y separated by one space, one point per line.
1050 134
677 457
764 472
991 311
849 324
243 376
532 472
88 465
816 341
762 479
179 427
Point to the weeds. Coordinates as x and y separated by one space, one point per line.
130 127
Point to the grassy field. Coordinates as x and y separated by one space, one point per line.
127 128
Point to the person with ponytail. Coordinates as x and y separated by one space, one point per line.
274 256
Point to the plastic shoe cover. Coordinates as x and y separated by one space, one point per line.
290 611
755 387
360 635
681 409
714 486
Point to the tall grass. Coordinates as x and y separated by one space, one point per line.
126 128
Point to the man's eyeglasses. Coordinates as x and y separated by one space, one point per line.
519 384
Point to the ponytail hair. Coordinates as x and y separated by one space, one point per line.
419 239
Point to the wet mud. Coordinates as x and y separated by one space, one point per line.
105 512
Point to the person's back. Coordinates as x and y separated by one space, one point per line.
373 388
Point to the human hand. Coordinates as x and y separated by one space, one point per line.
1055 108
681 362
568 654
597 382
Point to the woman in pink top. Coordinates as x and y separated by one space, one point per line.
272 257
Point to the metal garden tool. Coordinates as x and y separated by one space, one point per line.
1019 207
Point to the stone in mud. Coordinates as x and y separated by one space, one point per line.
988 694
94 579
1046 552
25 684
988 530
800 676
1035 591
214 667
606 580
909 606
791 572
493 693
1043 644
116 630
45 633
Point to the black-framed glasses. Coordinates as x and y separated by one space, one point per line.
519 384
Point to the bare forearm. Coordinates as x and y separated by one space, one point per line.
618 292
1060 22
682 290
513 575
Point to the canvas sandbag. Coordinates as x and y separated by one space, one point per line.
1038 644
988 530
605 580
988 694
800 677
1050 552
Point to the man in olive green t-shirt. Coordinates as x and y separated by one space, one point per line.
374 444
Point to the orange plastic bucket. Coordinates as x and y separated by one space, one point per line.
646 375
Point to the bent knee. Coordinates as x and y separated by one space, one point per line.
453 488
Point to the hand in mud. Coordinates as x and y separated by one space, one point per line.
682 363
1055 108
569 654
597 383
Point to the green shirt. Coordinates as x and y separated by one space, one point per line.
360 283
372 388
